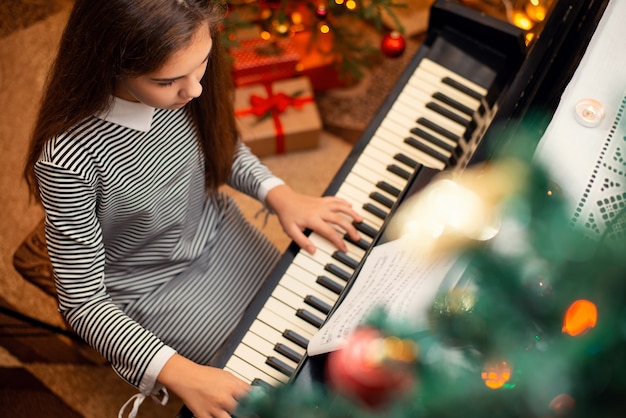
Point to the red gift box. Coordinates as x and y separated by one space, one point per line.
278 117
261 61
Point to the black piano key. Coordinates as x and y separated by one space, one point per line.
376 211
309 317
382 199
432 152
329 284
440 130
338 271
345 259
368 230
361 243
406 160
462 88
420 133
318 304
261 383
296 338
279 365
288 352
453 103
447 113
392 190
399 171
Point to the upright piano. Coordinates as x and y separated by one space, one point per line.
461 99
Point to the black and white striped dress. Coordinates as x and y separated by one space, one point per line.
145 261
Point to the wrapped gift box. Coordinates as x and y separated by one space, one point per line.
261 61
278 117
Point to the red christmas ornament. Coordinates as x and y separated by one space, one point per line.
321 11
393 44
372 368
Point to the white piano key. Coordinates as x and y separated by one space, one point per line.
441 71
384 142
245 379
249 371
303 290
354 193
328 247
289 314
369 185
431 84
368 168
266 349
357 205
420 156
307 278
282 323
399 121
420 99
274 336
258 360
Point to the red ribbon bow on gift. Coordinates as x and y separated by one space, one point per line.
273 105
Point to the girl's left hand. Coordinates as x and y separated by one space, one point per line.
297 212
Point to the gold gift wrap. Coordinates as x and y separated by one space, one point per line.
278 117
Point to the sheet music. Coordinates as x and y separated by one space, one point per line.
588 163
395 277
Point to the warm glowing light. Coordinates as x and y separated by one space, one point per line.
536 10
266 36
324 28
351 5
580 317
496 374
296 18
521 20
339 2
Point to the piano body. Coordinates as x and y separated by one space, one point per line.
460 100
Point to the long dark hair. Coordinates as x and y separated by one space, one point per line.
106 40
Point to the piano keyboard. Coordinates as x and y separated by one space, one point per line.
431 123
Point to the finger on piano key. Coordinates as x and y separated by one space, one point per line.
257 359
328 247
373 212
275 336
249 372
352 194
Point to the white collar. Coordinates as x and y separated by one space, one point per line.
133 115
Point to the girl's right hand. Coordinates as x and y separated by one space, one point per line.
207 391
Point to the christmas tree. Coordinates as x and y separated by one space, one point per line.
335 27
536 331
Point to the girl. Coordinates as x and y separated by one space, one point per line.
153 265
